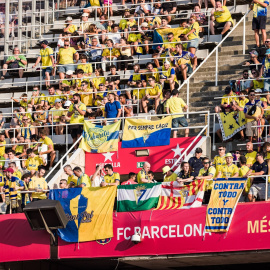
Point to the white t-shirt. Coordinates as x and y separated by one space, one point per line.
16 160
97 181
115 37
148 7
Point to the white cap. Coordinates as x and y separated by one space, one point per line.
144 24
258 90
69 19
67 103
69 72
85 15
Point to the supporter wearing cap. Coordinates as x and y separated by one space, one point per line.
85 23
169 175
229 170
196 161
70 28
266 69
47 59
55 116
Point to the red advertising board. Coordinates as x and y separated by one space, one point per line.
126 161
19 243
178 232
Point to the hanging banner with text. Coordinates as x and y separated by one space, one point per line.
222 204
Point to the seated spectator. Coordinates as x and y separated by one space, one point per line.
40 119
220 17
257 81
37 98
123 21
201 18
265 71
152 95
15 63
131 179
253 60
112 89
111 178
95 52
169 175
26 129
86 67
130 22
136 76
138 94
77 41
77 81
113 76
99 79
176 105
68 81
12 158
19 147
65 60
83 179
168 7
39 185
61 41
186 175
125 56
127 110
229 170
109 54
55 116
44 139
142 10
143 174
96 4
69 27
196 161
150 71
146 36
115 35
112 108
76 111
244 84
167 77
33 162
250 155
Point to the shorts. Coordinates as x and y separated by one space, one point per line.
193 43
76 130
251 131
221 24
151 101
267 85
167 86
47 69
259 23
107 2
189 69
182 121
65 68
258 191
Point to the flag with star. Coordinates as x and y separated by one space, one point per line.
231 123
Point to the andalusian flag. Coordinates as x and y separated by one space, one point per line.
231 123
174 196
137 197
100 139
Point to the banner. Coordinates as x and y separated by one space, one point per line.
223 201
100 139
231 123
89 211
173 196
137 197
145 133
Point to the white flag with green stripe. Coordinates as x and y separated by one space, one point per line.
138 197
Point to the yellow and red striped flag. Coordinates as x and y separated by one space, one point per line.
174 196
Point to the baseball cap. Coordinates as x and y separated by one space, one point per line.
228 90
267 52
144 24
85 15
9 170
44 42
67 103
68 18
254 52
58 100
228 155
258 90
166 169
69 72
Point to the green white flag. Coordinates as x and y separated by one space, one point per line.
138 197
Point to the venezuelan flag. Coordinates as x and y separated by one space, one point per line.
100 139
144 133
89 211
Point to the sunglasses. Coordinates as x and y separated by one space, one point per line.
252 95
105 170
61 183
267 41
25 119
66 45
253 72
206 162
220 149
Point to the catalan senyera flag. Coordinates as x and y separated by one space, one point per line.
174 196
223 201
144 133
89 211
231 123
100 139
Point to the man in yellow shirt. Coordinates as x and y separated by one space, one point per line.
39 185
86 67
46 56
229 170
219 160
76 111
109 54
243 170
220 17
87 98
46 140
152 95
33 161
70 28
111 178
176 105
72 178
169 175
17 172
168 77
83 178
2 145
143 174
55 115
250 155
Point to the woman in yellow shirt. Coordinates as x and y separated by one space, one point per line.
193 34
99 78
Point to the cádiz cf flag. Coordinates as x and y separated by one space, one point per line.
100 139
231 123
144 133
89 212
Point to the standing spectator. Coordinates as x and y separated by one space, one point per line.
229 170
168 7
175 105
55 117
83 178
141 10
111 178
169 175
253 60
76 111
259 19
95 52
219 160
257 190
125 54
186 175
250 155
65 59
143 174
131 179
97 177
201 18
39 185
220 17
112 108
108 5
253 111
46 56
115 35
265 70
196 161
17 62
72 178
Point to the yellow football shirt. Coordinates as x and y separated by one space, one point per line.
85 180
66 55
73 28
3 148
228 171
87 68
228 99
211 171
112 178
219 162
1 180
223 16
56 112
170 178
45 55
142 175
175 104
18 174
72 179
46 141
87 99
98 81
139 93
195 34
242 172
251 157
38 183
33 163
76 116
153 91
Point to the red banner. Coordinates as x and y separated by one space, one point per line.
126 161
19 243
178 232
